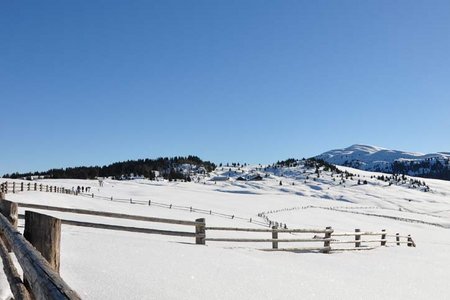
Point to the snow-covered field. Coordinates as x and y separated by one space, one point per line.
104 264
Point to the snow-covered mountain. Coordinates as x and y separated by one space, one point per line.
372 158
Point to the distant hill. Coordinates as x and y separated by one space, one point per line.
168 168
310 176
372 158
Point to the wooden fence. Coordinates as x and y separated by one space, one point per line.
41 279
194 224
37 253
332 241
15 187
327 238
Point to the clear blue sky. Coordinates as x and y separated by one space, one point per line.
94 82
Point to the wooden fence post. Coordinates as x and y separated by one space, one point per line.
357 238
200 232
397 238
6 187
21 186
35 186
14 187
275 237
40 187
326 244
44 233
410 242
11 211
28 186
383 237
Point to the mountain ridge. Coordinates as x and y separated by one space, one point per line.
379 159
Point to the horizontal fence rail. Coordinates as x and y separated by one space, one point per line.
270 230
128 228
265 240
123 228
302 249
107 214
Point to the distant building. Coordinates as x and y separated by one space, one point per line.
256 177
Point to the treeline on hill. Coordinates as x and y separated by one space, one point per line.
169 168
309 163
429 168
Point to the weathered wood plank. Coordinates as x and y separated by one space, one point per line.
354 249
11 212
264 240
360 241
274 237
356 233
383 237
126 228
108 214
270 230
16 285
45 283
326 244
44 233
200 232
357 238
301 249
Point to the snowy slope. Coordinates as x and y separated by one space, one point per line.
102 264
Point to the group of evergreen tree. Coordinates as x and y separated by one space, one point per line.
169 168
310 163
399 179
428 168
